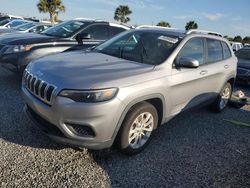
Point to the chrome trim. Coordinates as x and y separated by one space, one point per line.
30 82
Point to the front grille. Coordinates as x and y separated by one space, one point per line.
242 71
39 88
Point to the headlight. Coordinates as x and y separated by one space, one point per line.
18 48
90 96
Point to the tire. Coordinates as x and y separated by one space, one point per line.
222 100
134 136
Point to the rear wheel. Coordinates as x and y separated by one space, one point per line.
137 128
222 100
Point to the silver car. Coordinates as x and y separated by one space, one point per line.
123 89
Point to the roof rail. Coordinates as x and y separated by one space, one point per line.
90 19
203 31
153 26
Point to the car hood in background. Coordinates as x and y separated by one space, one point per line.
27 38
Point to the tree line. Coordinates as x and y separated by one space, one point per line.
122 12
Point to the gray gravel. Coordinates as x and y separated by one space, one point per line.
195 149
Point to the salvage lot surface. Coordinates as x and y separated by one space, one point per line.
197 149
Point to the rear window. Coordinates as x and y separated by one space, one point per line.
214 51
226 51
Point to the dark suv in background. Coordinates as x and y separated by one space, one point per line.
17 51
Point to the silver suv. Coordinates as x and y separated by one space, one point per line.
124 88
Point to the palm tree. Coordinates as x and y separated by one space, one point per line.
163 24
121 14
53 7
191 25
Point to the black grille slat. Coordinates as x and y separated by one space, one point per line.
49 92
38 87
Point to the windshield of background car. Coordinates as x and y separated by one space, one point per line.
3 22
243 54
65 29
15 23
24 27
147 47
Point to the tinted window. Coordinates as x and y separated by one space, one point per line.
24 27
145 47
115 30
98 32
194 49
226 50
214 51
65 29
243 54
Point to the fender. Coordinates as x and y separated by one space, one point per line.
136 101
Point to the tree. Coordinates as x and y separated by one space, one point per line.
191 25
246 40
53 7
163 24
237 39
121 14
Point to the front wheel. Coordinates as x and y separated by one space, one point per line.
137 128
223 98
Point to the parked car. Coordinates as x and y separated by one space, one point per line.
30 27
243 70
11 23
10 17
17 51
123 89
236 46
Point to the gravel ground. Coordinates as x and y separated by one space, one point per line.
196 149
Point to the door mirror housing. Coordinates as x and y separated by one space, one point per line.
188 62
82 36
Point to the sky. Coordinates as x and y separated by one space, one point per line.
229 17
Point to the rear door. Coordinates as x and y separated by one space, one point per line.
191 87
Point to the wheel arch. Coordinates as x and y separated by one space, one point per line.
157 100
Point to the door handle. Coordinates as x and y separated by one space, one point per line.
203 72
226 66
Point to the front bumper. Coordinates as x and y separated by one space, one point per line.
54 121
15 61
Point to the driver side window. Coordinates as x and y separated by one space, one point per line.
194 49
98 32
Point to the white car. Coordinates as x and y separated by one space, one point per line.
236 46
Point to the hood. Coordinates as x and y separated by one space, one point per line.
26 38
82 70
244 63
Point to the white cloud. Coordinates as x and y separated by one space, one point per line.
213 17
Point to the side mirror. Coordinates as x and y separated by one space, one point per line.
82 36
187 62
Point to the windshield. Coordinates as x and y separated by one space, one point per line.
24 27
3 22
15 23
65 29
145 47
3 18
243 54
